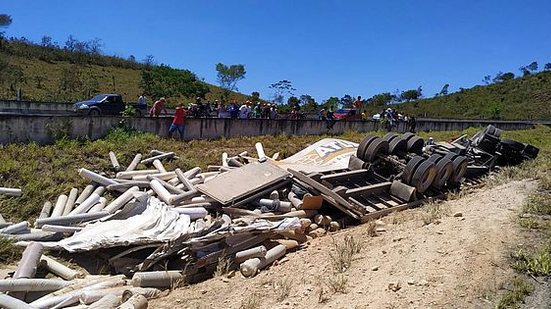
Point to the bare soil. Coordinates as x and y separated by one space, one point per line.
458 261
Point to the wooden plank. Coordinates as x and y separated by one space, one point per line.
338 201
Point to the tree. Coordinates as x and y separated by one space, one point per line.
47 41
282 89
164 81
94 46
444 90
71 43
410 95
308 103
487 79
547 66
331 103
502 77
5 21
381 99
532 67
149 61
293 101
256 96
228 76
347 101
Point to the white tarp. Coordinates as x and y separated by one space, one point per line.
157 223
324 155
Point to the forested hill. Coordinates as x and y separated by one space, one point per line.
527 97
47 72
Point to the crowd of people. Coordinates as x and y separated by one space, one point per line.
261 110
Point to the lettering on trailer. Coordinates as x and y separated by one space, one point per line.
333 147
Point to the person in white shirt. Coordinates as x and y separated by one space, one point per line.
244 111
142 100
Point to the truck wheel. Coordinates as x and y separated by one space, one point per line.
94 113
390 136
410 168
377 146
397 145
407 136
444 170
415 144
424 176
460 164
363 146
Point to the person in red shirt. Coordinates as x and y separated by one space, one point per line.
178 121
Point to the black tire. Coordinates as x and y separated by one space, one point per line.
390 136
410 168
517 146
406 136
416 144
424 176
94 113
376 147
460 164
363 146
444 170
397 145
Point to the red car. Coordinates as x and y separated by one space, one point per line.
346 114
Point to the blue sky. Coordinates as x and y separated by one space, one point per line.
325 47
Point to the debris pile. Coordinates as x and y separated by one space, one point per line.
154 229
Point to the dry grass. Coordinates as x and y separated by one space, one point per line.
519 289
338 283
344 252
434 211
370 228
251 302
282 288
323 297
223 266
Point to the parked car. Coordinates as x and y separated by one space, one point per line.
106 104
346 114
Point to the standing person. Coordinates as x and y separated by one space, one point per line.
412 124
257 111
158 107
244 111
178 121
330 119
273 112
358 105
142 100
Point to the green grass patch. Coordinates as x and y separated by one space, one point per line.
537 262
8 251
518 290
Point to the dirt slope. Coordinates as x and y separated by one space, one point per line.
456 262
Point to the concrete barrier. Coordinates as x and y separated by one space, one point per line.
44 129
35 107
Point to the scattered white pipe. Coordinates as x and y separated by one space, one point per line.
159 166
120 201
46 210
122 187
96 177
136 301
26 268
157 279
130 174
70 201
256 252
60 228
99 205
10 302
161 191
72 219
191 173
90 296
174 181
59 206
225 159
84 194
172 189
109 301
292 197
10 191
114 161
260 151
59 269
163 176
250 267
99 190
21 227
193 212
92 200
132 166
36 235
165 155
32 285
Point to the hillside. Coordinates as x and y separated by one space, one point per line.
48 79
520 98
